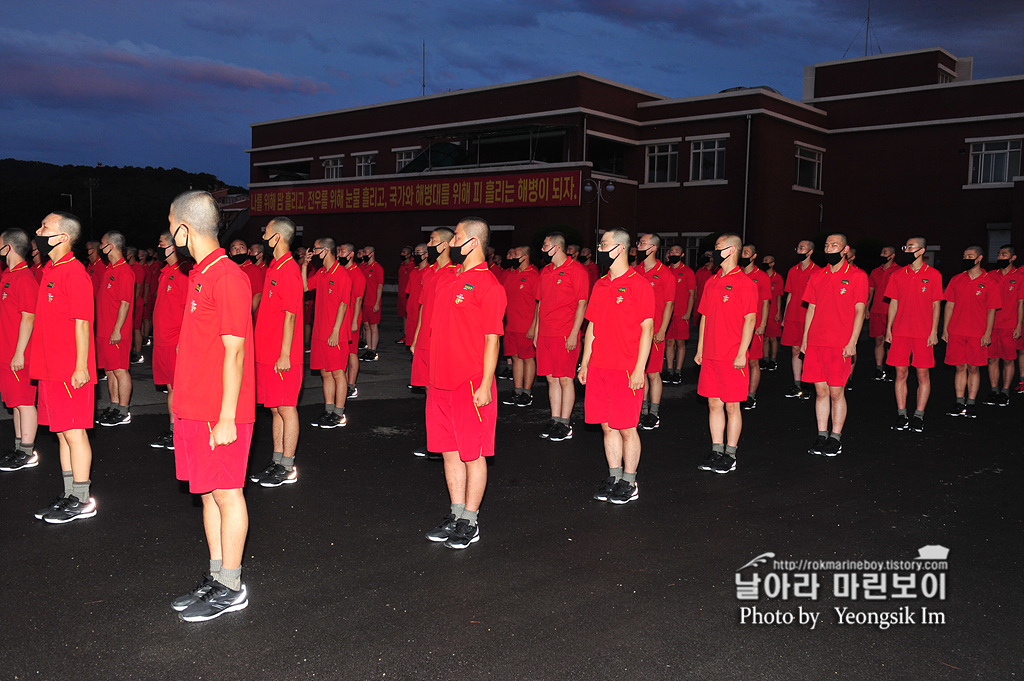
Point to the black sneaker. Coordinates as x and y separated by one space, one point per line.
204 587
833 447
917 424
116 418
957 409
420 453
443 531
723 464
879 375
400 341
362 344
337 421
749 403
560 432
280 476
463 535
369 356
353 392
1002 400
795 391
267 470
992 399
104 415
762 364
163 441
19 459
650 421
73 509
506 373
510 399
548 427
319 420
677 378
215 602
773 365
137 358
523 400
55 505
604 490
902 422
971 411
435 456
624 492
706 464
818 447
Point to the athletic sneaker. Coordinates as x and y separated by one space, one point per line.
510 399
650 421
280 476
353 392
104 415
624 492
116 418
164 441
204 587
319 420
444 530
879 375
19 459
833 447
957 409
749 403
267 470
215 602
773 365
55 505
971 411
604 490
435 456
560 432
369 356
523 400
73 509
723 464
818 447
1020 387
795 391
400 341
463 535
421 452
902 422
706 464
762 364
548 427
992 399
917 424
1002 400
137 358
335 420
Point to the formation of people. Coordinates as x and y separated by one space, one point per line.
617 323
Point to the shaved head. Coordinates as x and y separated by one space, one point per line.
199 211
477 228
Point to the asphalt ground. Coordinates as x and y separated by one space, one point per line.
343 584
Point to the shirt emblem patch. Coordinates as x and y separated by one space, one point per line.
50 285
192 308
622 290
725 298
459 298
199 287
467 287
49 297
618 299
842 290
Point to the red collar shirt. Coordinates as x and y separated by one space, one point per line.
796 283
218 303
413 289
835 296
663 284
972 299
521 292
95 270
428 299
701 277
139 270
914 292
37 271
65 295
1011 289
764 292
879 280
118 287
403 276
617 308
282 292
374 277
469 306
256 275
686 281
169 309
727 300
777 285
333 287
560 290
358 283
19 291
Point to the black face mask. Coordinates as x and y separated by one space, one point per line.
800 257
545 258
706 259
457 255
182 251
343 259
4 251
510 263
673 259
764 267
254 259
239 258
584 259
743 262
717 258
967 264
268 250
605 260
43 244
1002 263
905 258
833 258
433 253
417 258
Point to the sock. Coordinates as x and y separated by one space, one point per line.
231 578
919 414
961 400
838 437
718 447
564 422
329 408
17 443
122 409
215 566
340 411
277 456
822 433
655 406
1005 391
629 477
69 481
81 489
26 447
615 473
879 367
751 396
901 412
172 427
470 516
458 510
288 462
730 450
970 401
520 391
645 407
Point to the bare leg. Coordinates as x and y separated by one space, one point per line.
630 450
290 421
568 396
973 382
735 423
900 386
821 405
716 420
960 380
555 397
924 388
277 429
838 408
529 373
476 483
79 453
613 446
233 522
455 475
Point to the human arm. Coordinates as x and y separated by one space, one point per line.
990 320
689 305
284 362
698 356
639 373
577 323
28 320
666 319
482 395
858 323
81 374
749 320
588 347
357 309
531 332
122 316
945 320
933 338
893 304
807 326
225 432
380 291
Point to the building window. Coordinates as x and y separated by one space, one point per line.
662 162
403 158
707 160
333 168
366 164
995 161
808 168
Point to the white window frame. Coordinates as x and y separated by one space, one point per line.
365 161
333 166
404 157
808 153
1009 148
669 150
714 145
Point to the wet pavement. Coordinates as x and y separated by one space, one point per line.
344 586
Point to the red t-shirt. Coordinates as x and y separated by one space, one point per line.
65 295
521 292
727 299
256 275
879 280
19 291
468 307
413 289
333 287
972 299
700 277
139 270
358 285
778 286
169 309
764 292
118 286
374 274
1011 289
153 279
686 281
796 282
37 271
914 292
835 296
617 308
282 292
219 303
426 304
96 270
560 290
593 273
663 283
403 276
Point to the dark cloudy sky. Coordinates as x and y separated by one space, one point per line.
178 83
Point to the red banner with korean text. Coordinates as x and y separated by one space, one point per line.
497 191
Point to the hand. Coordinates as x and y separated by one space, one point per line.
376 308
571 341
115 338
79 378
759 331
582 375
698 357
18 361
1017 333
933 340
531 333
778 317
888 336
332 340
307 258
482 396
355 327
803 348
850 350
740 362
636 380
986 341
659 337
945 336
224 433
686 318
283 364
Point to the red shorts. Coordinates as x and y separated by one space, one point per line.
138 307
17 388
1004 345
371 317
275 389
756 349
877 323
518 345
793 331
772 329
966 350
678 329
403 301
554 360
826 364
323 356
208 469
61 407
904 346
656 360
420 368
164 359
109 356
455 424
719 379
353 340
609 399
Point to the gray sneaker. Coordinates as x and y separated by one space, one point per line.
215 602
443 531
204 587
463 535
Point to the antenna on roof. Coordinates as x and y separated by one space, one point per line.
867 37
423 93
867 32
